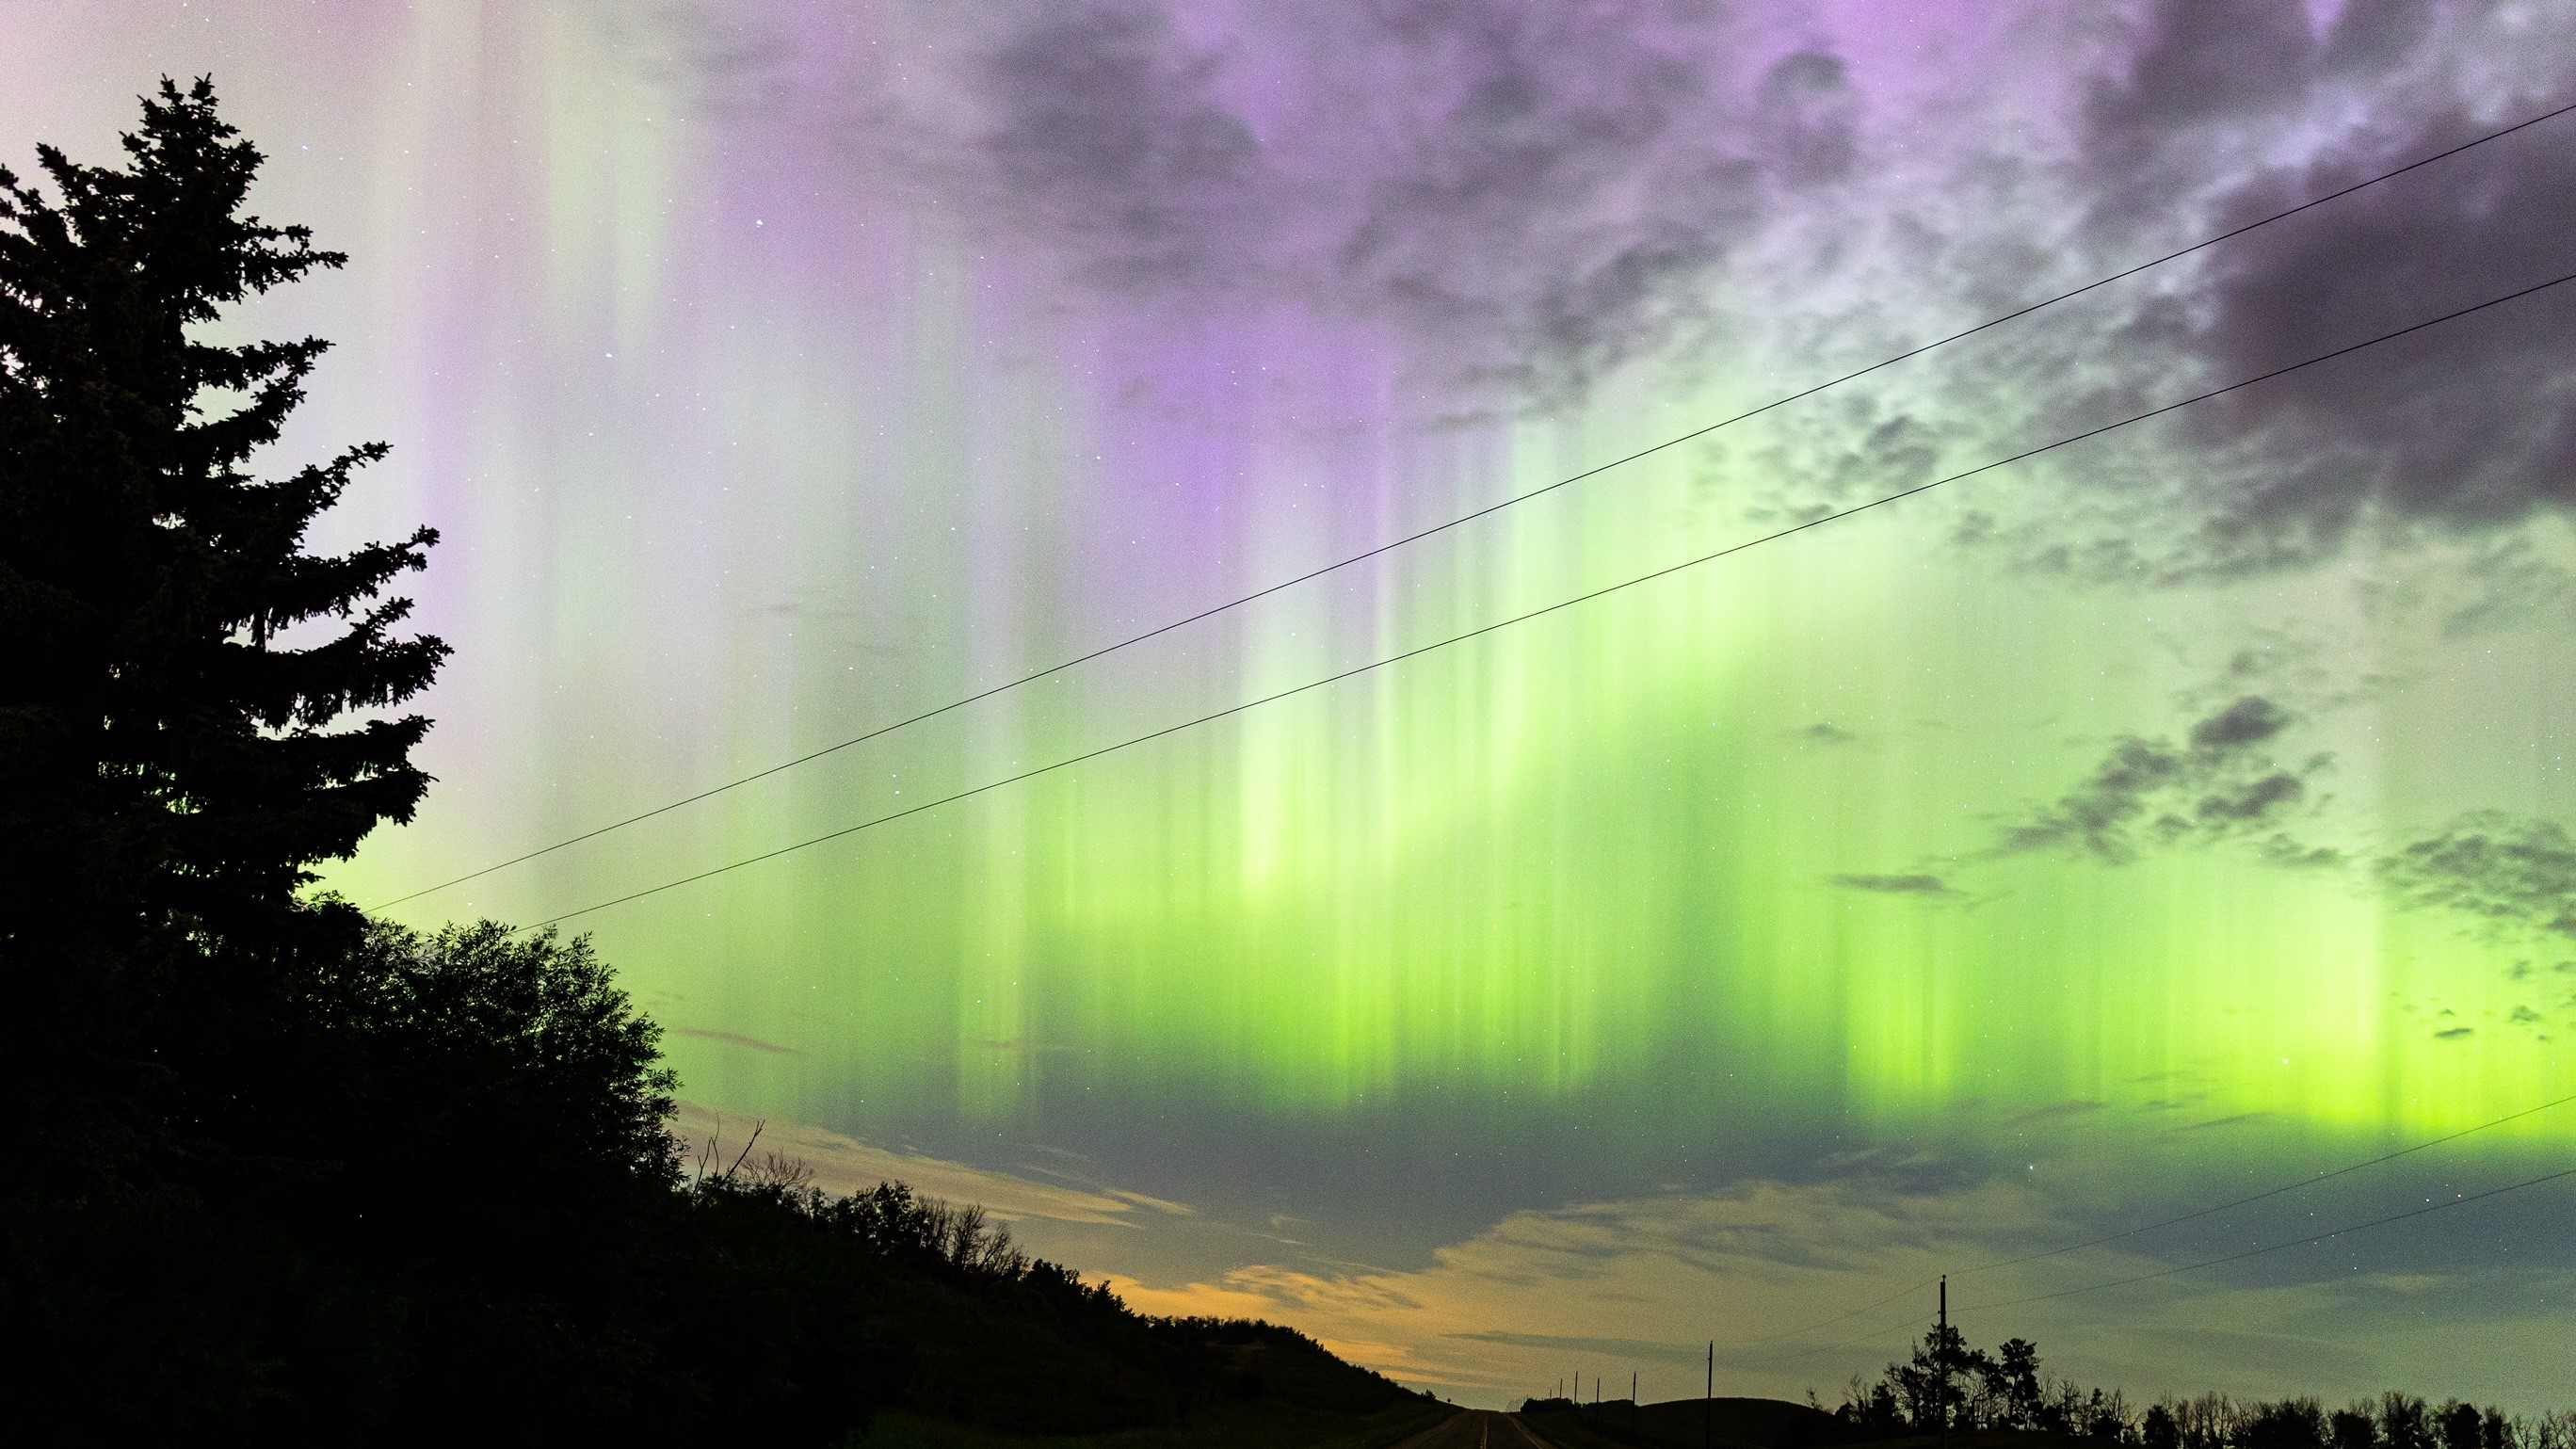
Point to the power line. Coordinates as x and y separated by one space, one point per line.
1889 1327
2304 1182
2260 1196
1466 518
1546 610
2277 1247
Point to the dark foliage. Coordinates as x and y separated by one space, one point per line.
170 767
2005 1394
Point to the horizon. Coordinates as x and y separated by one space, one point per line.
2129 830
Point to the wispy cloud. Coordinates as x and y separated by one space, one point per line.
1897 885
1504 1312
735 1038
846 1164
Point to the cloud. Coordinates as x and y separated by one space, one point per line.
1894 885
1517 195
845 1164
1521 198
2197 61
1536 192
735 1038
2468 426
2510 871
2219 784
2249 721
2225 111
2075 1107
1503 1312
1620 1348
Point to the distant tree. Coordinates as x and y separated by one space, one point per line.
175 667
2012 1376
2404 1422
2159 1431
2461 1426
2286 1424
2106 1416
1934 1386
1871 1409
2498 1432
2209 1421
2354 1428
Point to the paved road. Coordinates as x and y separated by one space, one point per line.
1476 1429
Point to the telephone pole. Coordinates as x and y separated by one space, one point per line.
1708 1403
1941 1356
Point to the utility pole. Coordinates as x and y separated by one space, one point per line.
1708 1404
1632 1386
1941 1356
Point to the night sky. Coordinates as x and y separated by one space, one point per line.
2086 842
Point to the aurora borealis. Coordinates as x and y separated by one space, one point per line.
1912 892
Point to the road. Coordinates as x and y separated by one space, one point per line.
1476 1429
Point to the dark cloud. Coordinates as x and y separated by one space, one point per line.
2470 425
1894 885
1807 109
1826 732
2511 871
1108 124
2376 34
1529 193
2195 61
2097 815
2219 784
2256 800
2249 721
2188 129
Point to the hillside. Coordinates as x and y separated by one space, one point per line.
978 1345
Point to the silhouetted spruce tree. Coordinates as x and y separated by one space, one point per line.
176 669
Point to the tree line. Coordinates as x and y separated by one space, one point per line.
1946 1384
